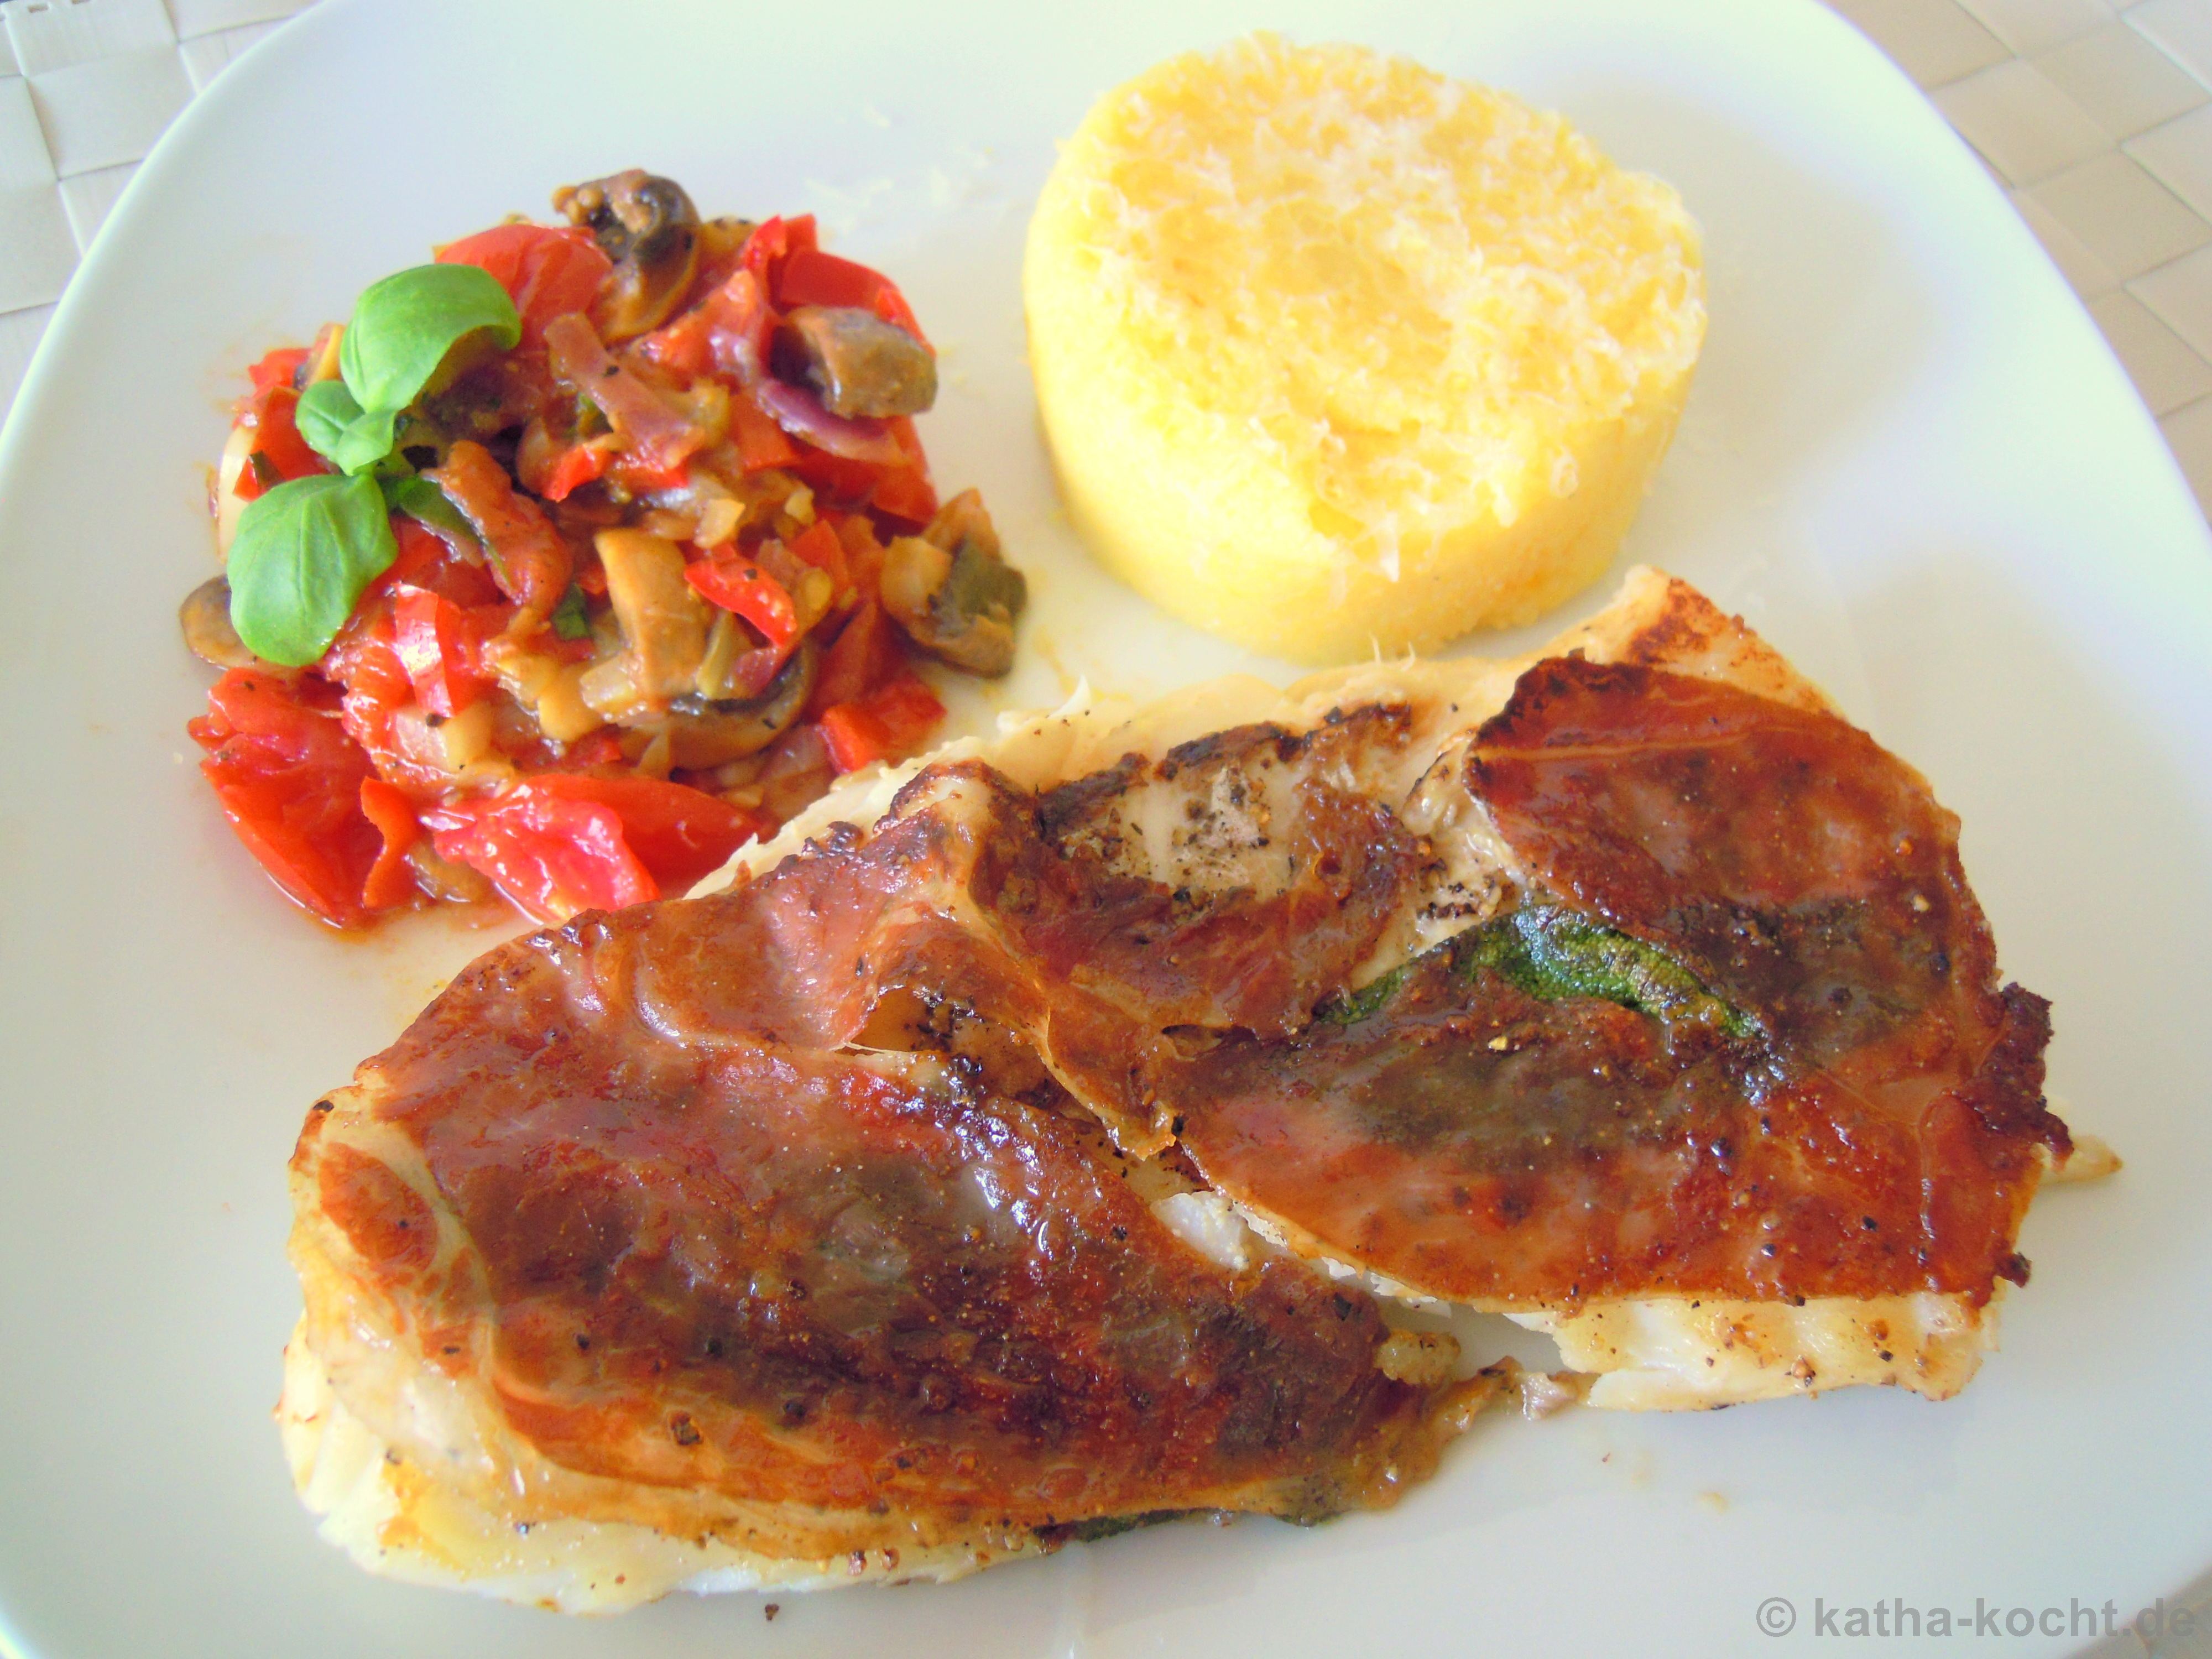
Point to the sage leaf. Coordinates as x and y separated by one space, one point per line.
302 554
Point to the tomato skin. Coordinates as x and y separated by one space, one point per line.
679 833
561 842
437 645
288 778
551 857
548 270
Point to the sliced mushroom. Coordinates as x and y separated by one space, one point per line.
861 364
205 617
951 592
705 731
664 622
647 226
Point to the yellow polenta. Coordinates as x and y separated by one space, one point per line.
1334 353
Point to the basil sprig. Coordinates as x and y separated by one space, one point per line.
302 554
402 330
305 551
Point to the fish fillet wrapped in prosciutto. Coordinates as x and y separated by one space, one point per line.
1053 1133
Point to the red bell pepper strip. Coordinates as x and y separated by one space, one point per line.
761 442
289 781
772 243
812 277
890 724
743 587
548 272
865 654
391 879
819 546
574 467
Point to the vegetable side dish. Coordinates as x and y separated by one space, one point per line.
577 559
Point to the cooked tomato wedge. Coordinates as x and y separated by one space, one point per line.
289 779
562 842
548 272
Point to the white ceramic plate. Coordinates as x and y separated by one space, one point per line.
1909 460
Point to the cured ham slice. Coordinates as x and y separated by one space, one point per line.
1740 1036
623 1232
1044 1136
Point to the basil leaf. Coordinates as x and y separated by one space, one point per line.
418 498
338 428
404 326
302 555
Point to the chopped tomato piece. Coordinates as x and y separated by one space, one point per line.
551 857
818 545
277 368
562 842
890 724
679 833
289 779
548 270
742 587
812 277
437 647
391 879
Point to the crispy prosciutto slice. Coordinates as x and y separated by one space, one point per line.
938 1191
646 1222
1740 1034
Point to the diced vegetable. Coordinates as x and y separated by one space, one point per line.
432 636
663 619
289 781
547 272
889 725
